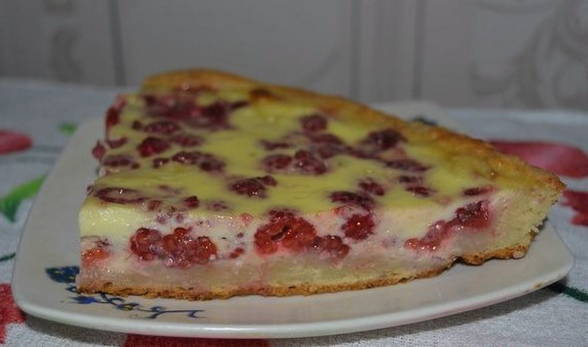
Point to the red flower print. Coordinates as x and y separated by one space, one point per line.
11 141
162 341
561 159
9 312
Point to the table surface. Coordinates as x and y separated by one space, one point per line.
46 114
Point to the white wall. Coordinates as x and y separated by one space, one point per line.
481 53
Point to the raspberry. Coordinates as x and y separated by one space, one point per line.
94 255
145 243
420 191
358 227
253 187
186 140
236 253
217 205
98 151
181 250
192 201
369 185
151 146
307 163
436 234
291 232
119 195
331 245
474 215
163 127
406 165
112 117
313 123
276 162
477 191
98 253
118 160
204 161
381 140
327 145
357 199
153 205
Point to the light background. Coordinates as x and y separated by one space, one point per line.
476 53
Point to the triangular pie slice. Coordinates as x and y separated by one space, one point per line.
213 185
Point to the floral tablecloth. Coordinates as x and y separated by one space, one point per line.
37 118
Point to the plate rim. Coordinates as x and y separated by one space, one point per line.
277 330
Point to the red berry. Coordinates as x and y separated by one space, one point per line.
477 191
118 160
146 243
217 205
151 146
358 227
406 165
98 151
437 233
276 214
112 117
277 162
357 199
96 254
313 122
182 250
251 187
382 140
369 185
331 245
153 205
307 163
420 191
186 140
292 233
206 162
119 195
192 201
474 215
163 127
268 180
172 106
327 145
236 253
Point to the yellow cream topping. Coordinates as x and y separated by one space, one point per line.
239 147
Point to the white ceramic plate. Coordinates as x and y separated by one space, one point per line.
48 255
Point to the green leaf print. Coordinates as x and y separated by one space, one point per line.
10 202
68 128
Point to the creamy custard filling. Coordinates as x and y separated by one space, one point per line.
196 179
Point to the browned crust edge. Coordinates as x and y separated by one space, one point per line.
307 289
452 143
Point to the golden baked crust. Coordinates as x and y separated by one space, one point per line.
451 143
308 289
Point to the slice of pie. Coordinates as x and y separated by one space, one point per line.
213 185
